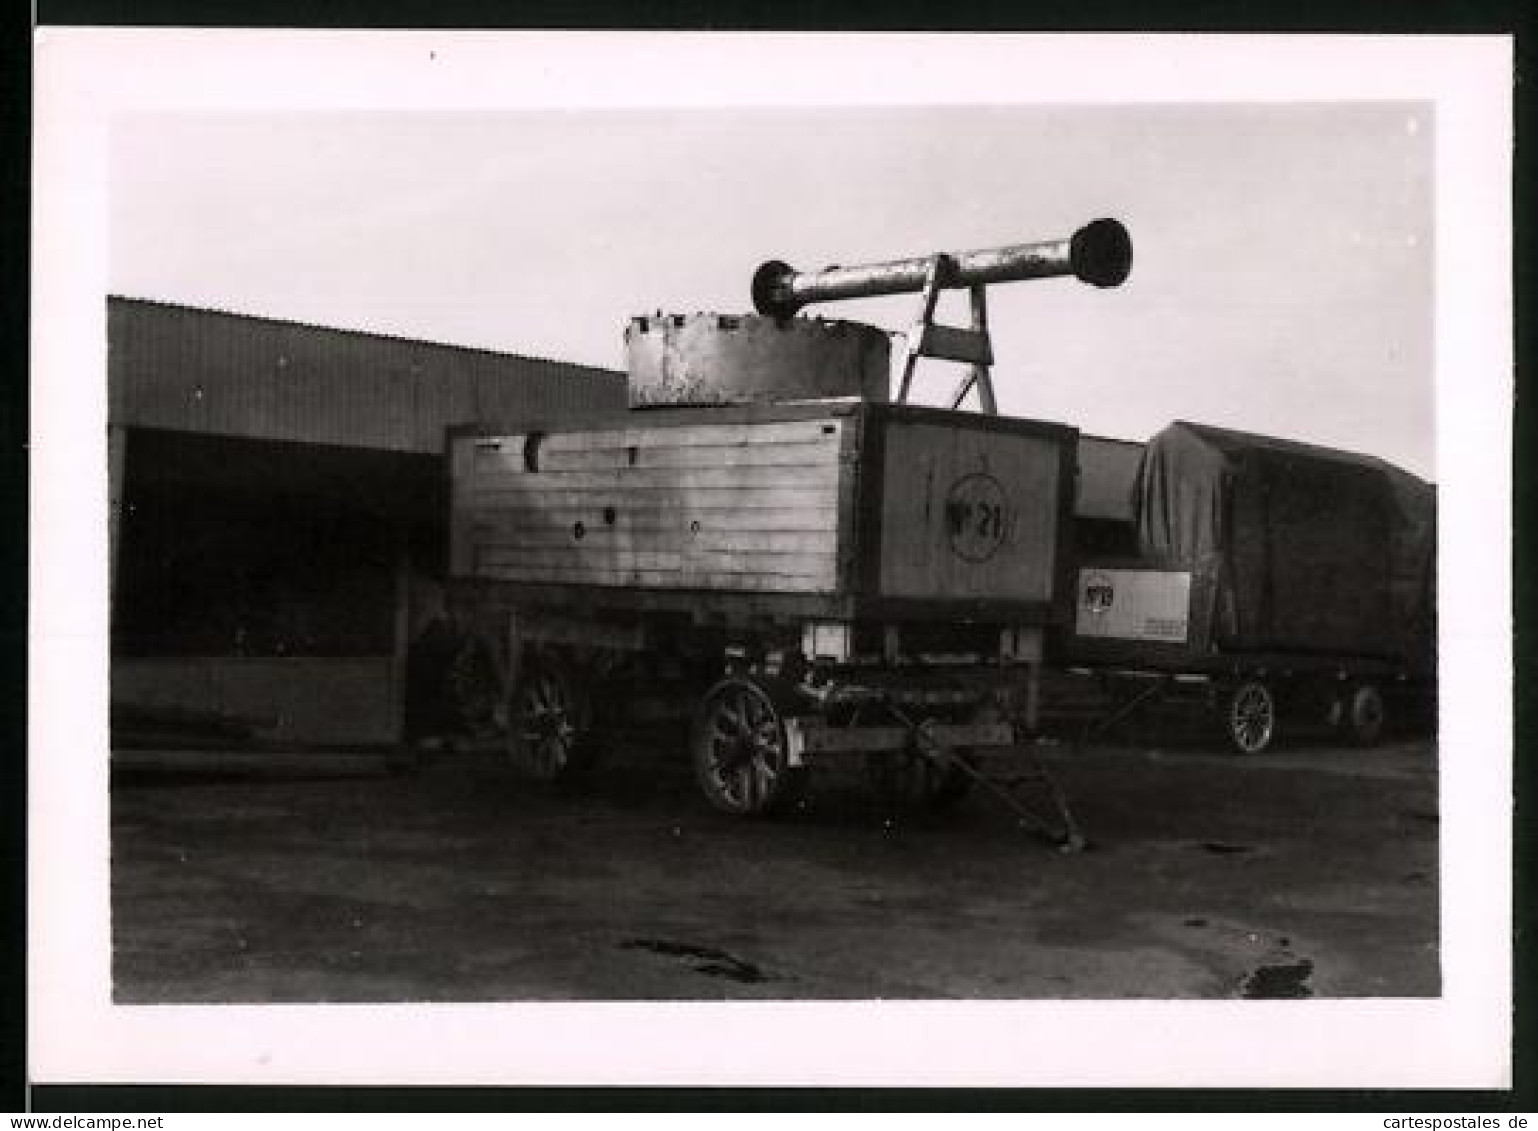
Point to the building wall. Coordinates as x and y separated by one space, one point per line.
256 548
205 371
306 701
277 494
261 590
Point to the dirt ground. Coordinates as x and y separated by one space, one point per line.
1311 871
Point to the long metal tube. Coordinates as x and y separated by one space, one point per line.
1100 253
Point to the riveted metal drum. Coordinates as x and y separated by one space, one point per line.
720 359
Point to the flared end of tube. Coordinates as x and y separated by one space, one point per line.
771 297
1101 253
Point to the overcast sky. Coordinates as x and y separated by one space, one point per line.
1282 281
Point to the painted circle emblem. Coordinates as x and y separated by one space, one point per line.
1099 593
975 517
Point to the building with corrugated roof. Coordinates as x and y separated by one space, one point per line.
278 505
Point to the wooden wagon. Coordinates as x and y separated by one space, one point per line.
820 573
823 580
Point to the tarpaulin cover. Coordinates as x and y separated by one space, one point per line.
1311 549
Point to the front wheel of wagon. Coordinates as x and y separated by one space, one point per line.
741 758
1249 716
548 725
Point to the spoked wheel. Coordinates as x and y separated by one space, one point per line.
739 750
473 687
1364 715
547 726
1249 716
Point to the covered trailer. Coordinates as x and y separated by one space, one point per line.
1274 575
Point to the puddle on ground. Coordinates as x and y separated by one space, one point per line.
1281 980
736 971
713 963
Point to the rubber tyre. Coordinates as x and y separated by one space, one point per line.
1364 715
1249 716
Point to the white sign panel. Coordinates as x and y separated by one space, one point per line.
1133 604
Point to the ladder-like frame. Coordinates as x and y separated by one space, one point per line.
926 338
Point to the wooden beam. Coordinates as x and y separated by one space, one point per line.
401 634
811 736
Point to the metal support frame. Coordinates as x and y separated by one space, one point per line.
810 739
926 338
980 377
1124 710
928 743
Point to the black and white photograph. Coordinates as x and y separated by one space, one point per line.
772 559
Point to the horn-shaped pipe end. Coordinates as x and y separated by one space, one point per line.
1101 253
771 292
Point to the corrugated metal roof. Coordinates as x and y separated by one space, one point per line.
213 372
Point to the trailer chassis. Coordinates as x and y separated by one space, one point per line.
1252 697
770 699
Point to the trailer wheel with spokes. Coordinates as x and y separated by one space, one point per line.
549 721
739 748
1249 716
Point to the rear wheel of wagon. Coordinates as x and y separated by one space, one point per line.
549 722
1249 716
739 748
1364 715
